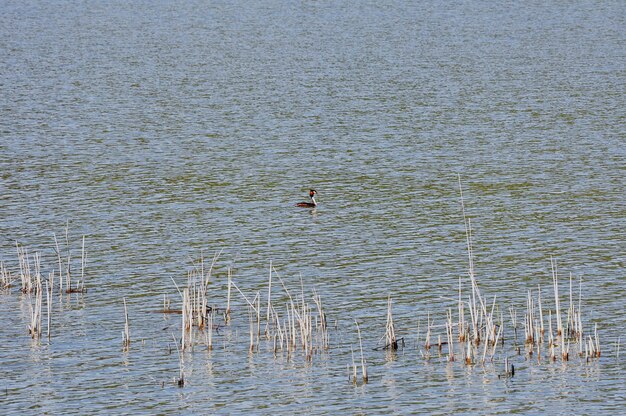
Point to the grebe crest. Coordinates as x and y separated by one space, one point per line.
312 204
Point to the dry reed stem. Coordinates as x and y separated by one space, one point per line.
354 372
461 324
83 262
181 365
35 312
427 340
49 306
597 344
251 304
363 365
126 333
323 325
209 332
542 329
555 282
185 324
258 316
58 251
269 303
68 283
228 297
450 337
250 319
390 333
551 345
513 314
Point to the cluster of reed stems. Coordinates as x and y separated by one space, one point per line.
293 321
290 322
485 329
30 270
543 328
297 324
390 333
6 277
34 285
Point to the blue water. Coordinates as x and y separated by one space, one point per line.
167 130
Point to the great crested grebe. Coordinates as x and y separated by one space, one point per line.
311 204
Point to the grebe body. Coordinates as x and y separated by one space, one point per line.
311 204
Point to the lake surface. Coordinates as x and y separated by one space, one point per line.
167 131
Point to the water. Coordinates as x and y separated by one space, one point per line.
163 130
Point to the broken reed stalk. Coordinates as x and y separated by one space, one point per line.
390 333
363 365
468 353
209 331
126 333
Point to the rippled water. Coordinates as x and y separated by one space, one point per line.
163 130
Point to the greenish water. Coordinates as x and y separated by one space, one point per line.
162 130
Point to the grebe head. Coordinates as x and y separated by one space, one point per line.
312 193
